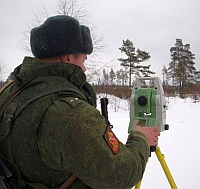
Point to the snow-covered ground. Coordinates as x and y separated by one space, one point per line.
180 144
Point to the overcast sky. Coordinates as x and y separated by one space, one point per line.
152 25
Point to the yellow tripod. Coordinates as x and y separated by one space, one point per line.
163 163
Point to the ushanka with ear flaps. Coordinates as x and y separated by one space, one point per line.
60 35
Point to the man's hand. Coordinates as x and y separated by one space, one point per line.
151 133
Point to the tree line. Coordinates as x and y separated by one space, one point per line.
179 75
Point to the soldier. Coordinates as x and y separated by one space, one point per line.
52 135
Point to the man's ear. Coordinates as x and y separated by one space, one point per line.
65 58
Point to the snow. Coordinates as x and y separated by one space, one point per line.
180 144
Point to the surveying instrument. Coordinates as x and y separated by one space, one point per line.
148 108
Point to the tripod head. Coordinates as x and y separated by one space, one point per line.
147 105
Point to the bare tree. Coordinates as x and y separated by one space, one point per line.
2 67
71 8
38 19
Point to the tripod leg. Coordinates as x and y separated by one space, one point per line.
163 163
137 186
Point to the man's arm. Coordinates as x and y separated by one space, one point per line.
79 147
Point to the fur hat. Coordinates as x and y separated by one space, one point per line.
60 35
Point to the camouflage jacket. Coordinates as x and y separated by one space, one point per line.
61 134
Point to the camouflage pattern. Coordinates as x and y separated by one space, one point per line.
60 134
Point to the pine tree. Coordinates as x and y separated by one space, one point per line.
118 77
112 76
105 77
196 77
133 60
181 67
166 76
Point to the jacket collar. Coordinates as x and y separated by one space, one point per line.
33 67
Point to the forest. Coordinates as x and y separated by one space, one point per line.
179 76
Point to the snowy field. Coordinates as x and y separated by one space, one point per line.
180 144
